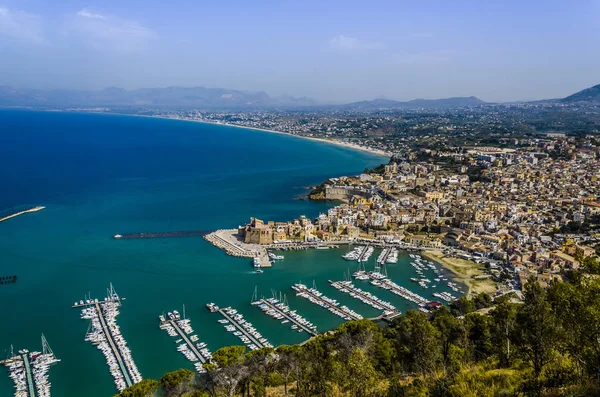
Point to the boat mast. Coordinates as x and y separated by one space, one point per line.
46 347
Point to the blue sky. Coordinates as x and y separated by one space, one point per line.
334 51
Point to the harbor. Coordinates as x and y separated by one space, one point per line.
234 322
365 297
105 334
281 311
316 297
227 240
193 350
29 371
380 280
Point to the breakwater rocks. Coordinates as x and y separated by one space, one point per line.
228 241
8 280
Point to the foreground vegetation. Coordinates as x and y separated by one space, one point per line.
547 346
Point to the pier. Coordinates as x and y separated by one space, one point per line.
104 333
384 255
382 281
34 209
30 385
363 296
187 341
285 315
131 236
29 370
228 241
116 351
233 322
325 302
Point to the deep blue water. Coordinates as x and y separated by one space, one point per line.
99 175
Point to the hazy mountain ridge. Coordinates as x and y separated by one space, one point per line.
591 94
444 103
221 98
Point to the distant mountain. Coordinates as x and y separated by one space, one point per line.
445 103
201 98
591 94
177 97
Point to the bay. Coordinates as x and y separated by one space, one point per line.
99 175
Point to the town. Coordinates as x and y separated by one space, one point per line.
518 213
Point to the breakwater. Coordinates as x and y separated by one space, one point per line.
191 233
8 280
34 209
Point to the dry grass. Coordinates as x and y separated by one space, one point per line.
464 270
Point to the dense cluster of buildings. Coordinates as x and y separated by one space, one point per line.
528 211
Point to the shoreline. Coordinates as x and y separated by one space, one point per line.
346 145
34 209
463 271
322 140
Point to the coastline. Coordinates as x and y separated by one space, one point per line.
322 140
463 271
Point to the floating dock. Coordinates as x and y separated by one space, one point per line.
106 335
381 281
283 311
364 296
29 371
318 298
192 352
236 320
27 366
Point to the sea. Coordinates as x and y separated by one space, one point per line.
99 175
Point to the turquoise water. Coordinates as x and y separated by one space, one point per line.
99 175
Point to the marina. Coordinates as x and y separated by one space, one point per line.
316 297
105 334
234 322
281 311
29 371
388 255
380 280
193 350
365 297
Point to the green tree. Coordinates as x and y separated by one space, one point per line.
176 382
451 337
536 334
504 321
479 335
144 388
230 369
417 342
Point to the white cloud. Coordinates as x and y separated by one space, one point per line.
346 43
21 26
88 14
108 32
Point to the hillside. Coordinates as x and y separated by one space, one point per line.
445 103
591 94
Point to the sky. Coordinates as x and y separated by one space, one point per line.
333 51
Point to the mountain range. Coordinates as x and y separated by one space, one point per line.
220 98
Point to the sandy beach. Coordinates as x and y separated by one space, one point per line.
465 271
329 141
